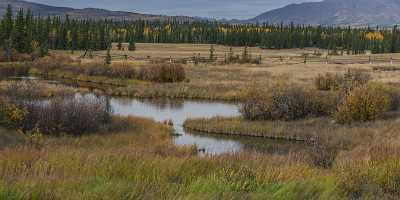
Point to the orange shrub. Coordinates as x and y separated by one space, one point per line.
364 103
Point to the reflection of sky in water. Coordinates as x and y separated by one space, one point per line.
179 112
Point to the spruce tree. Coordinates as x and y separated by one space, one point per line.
19 39
212 51
44 49
7 24
132 45
108 58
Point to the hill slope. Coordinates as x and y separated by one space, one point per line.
336 12
92 13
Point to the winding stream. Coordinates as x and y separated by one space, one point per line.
179 110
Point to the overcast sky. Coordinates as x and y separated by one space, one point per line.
237 9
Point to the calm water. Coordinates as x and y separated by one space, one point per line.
180 110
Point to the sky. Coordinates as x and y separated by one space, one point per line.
228 9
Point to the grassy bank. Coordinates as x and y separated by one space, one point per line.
136 158
308 130
142 163
208 80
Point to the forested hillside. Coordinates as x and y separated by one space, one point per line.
25 33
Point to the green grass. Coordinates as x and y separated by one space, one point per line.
310 130
143 163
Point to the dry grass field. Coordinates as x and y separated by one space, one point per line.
287 62
226 81
140 161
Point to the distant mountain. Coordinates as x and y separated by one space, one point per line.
92 13
335 12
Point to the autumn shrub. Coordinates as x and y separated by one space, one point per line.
323 103
364 103
14 56
122 70
10 115
96 69
285 102
329 81
166 72
347 81
17 90
53 62
14 69
71 115
23 108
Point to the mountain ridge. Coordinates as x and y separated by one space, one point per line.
335 12
85 13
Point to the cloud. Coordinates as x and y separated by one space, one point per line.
238 9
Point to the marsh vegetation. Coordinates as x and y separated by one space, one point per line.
343 117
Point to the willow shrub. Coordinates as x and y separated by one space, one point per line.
347 81
163 72
286 102
22 107
13 69
364 103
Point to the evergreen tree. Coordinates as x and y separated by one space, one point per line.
19 33
7 24
212 51
132 45
44 49
245 55
108 58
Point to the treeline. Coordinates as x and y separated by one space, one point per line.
26 33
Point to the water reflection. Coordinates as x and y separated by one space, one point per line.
160 104
178 112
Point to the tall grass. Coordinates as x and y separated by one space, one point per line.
143 163
163 72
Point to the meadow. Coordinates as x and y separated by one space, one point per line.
135 158
218 80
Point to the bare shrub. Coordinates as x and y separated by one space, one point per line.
329 81
96 68
347 81
394 94
18 90
364 103
73 115
14 69
54 62
14 56
23 108
122 70
166 72
285 103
